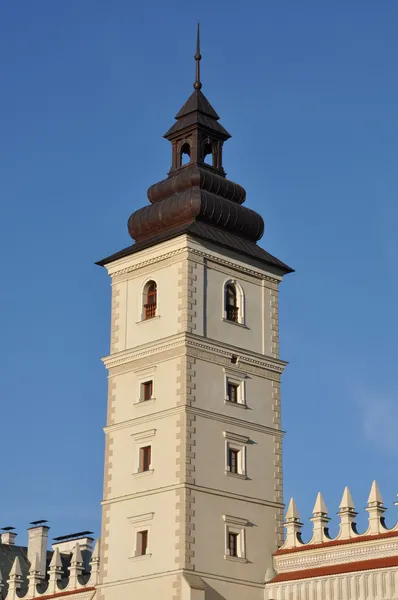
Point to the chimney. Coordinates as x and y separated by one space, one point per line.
66 543
8 536
37 544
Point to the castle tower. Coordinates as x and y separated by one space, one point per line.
192 505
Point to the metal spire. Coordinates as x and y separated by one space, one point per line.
197 85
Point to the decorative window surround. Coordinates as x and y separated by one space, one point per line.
141 523
238 526
239 303
142 439
143 435
143 376
235 437
238 378
234 441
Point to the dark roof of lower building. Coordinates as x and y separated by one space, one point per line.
208 233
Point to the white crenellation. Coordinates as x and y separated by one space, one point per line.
347 514
34 579
377 543
376 510
320 520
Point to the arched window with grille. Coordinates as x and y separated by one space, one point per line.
231 303
234 301
150 300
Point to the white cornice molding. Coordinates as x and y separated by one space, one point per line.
192 343
221 493
150 261
236 267
191 410
362 582
127 264
346 553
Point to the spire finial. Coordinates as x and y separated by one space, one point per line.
197 85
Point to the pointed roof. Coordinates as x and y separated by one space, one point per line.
56 559
76 555
292 511
35 566
320 506
16 570
197 101
197 110
346 500
375 495
96 552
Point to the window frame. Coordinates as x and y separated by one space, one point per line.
150 305
232 386
238 379
142 542
144 376
147 390
237 443
233 548
141 523
145 458
236 526
143 314
233 460
238 303
142 440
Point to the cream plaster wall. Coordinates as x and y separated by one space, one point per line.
127 388
160 434
157 587
185 351
122 563
210 460
210 379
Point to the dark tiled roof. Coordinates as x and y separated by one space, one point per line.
208 233
197 101
197 118
8 554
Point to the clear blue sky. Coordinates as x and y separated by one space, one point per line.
309 92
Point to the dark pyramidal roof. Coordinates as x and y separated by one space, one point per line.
197 198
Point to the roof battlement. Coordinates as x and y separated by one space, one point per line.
71 567
349 552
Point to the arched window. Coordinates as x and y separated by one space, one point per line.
185 154
231 303
150 300
208 157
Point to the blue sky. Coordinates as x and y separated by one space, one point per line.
309 92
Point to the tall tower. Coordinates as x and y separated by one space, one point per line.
192 505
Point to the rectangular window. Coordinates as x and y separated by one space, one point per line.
232 392
233 457
233 544
145 458
147 390
142 542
